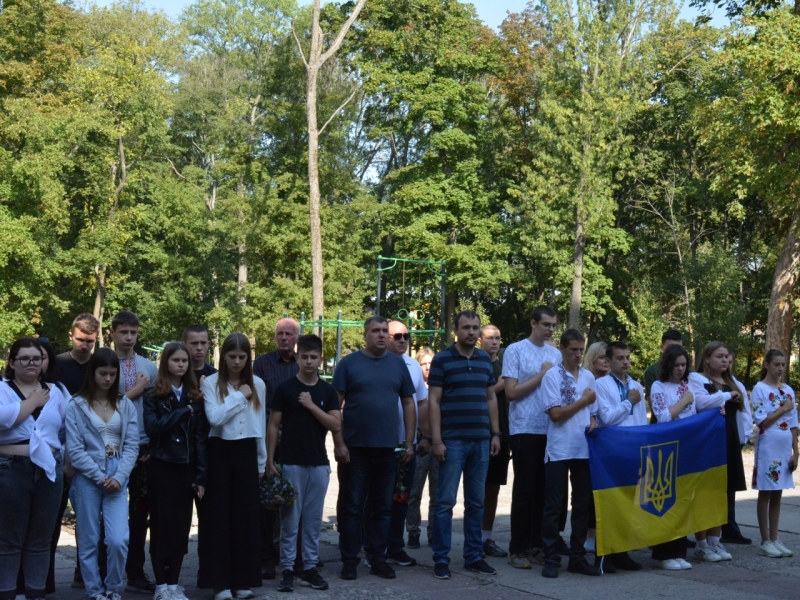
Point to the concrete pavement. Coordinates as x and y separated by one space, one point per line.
749 576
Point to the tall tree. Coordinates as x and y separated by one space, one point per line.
314 60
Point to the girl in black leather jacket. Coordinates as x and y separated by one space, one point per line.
175 422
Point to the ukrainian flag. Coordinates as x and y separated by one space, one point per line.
655 483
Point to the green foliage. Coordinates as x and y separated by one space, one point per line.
160 166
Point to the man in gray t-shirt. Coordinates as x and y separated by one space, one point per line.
369 382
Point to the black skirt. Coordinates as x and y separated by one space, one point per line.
736 479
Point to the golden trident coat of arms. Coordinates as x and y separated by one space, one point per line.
659 466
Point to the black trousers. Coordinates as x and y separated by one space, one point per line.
170 495
229 537
667 550
577 470
138 513
528 493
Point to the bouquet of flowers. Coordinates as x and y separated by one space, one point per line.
275 491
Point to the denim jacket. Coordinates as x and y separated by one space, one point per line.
85 445
177 434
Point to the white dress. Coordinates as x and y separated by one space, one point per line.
774 444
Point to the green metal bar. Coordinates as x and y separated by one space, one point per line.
407 260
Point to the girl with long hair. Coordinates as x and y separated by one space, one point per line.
775 413
173 419
714 387
31 469
672 400
229 539
103 446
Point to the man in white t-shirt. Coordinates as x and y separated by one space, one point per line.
569 400
524 365
619 403
398 344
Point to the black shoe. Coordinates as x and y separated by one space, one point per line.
400 557
550 571
626 563
737 539
320 564
268 572
140 584
77 580
349 570
561 547
382 570
287 581
312 578
692 543
413 541
482 567
582 568
441 571
430 540
492 549
608 564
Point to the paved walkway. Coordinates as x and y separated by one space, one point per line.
749 576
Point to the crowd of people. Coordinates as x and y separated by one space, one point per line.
134 446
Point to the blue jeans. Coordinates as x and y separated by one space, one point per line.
90 501
470 457
371 471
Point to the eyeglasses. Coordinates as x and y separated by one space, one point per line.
400 336
549 325
24 362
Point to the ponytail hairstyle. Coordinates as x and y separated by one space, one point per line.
727 374
768 358
163 386
237 341
103 357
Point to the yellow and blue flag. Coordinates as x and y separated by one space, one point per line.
656 483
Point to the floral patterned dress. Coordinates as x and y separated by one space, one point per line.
774 445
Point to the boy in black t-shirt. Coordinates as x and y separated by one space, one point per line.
305 408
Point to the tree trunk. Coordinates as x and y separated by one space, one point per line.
577 272
100 299
314 196
784 282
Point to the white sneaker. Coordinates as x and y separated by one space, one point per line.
590 546
685 564
177 592
769 549
244 594
783 549
719 549
706 554
223 595
162 594
669 564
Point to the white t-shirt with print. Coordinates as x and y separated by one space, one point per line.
567 440
420 394
522 361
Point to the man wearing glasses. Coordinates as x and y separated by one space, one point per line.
524 366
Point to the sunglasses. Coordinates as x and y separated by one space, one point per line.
400 336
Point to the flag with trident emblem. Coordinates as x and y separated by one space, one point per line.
656 483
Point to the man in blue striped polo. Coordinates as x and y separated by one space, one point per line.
465 432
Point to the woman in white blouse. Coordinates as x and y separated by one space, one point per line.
714 388
229 537
31 469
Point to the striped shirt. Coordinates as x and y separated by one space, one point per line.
465 413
